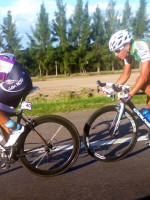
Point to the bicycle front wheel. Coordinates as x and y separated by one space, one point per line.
99 139
60 152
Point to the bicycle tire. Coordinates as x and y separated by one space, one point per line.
98 141
58 151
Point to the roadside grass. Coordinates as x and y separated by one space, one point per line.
74 101
70 101
45 78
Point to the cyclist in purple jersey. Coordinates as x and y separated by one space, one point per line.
15 83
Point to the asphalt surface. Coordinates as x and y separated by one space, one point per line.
127 179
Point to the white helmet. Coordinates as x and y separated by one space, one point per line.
119 39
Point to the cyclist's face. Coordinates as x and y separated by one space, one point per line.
122 54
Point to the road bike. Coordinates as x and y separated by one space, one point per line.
111 132
49 145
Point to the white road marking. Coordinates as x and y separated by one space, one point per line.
96 143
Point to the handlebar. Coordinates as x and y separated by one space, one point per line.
111 88
116 87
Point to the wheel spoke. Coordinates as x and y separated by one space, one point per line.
39 158
56 133
98 140
60 151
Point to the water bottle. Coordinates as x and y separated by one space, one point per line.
145 111
146 114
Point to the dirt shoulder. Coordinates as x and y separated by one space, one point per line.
53 87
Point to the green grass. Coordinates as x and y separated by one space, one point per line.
72 103
45 78
85 99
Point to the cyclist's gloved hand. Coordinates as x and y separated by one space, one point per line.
107 91
126 98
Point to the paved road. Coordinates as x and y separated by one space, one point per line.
128 179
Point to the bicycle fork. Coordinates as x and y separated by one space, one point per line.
116 122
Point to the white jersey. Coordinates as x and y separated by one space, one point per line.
141 50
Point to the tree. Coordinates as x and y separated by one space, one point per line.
84 39
60 32
79 34
60 24
140 25
9 34
76 24
111 26
40 39
98 39
127 17
1 43
111 22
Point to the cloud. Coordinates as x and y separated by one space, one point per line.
27 10
24 12
69 10
93 7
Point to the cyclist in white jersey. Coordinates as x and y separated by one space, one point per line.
125 48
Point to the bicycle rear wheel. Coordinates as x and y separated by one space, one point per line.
99 141
63 146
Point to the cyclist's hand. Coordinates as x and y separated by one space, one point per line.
103 93
107 91
126 98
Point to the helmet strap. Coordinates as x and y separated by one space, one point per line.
127 50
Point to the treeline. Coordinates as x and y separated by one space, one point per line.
77 44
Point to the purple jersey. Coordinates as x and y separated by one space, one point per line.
7 61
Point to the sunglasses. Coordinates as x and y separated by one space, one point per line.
119 50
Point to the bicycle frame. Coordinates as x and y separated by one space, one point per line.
135 111
138 113
121 107
28 122
111 132
116 122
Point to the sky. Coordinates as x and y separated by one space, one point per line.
24 12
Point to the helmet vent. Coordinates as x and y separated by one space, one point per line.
119 42
119 39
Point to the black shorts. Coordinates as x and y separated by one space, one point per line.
17 84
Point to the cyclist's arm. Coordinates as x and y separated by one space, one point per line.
143 78
125 75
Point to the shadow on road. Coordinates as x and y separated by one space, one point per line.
81 166
137 152
9 170
144 198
